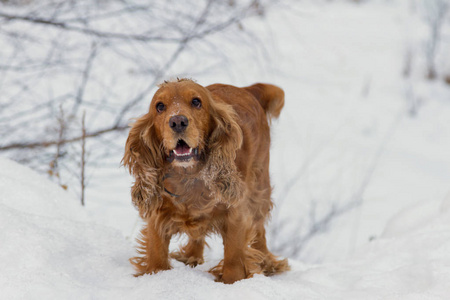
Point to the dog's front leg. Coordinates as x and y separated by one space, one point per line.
235 240
154 246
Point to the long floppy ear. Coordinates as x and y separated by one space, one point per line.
143 158
225 139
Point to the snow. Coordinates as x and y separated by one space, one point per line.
348 131
50 251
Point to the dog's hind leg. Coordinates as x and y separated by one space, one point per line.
270 264
192 253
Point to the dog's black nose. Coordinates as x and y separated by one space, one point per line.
178 123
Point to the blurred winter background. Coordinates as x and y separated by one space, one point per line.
364 136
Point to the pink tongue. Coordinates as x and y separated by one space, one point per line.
182 149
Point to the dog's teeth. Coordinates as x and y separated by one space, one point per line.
184 154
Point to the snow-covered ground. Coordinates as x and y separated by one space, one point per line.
353 129
50 250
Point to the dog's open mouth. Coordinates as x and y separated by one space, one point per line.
183 152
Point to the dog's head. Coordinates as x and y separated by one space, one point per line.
184 125
182 119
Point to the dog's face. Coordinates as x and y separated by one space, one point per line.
181 114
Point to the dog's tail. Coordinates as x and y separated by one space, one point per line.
269 96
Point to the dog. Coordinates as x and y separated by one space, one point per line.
200 159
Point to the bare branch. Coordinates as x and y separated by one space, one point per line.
46 144
85 79
83 158
89 31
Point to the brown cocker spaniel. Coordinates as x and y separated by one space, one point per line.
200 158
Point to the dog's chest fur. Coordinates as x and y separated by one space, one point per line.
195 207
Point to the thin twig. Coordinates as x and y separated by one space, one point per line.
45 144
83 158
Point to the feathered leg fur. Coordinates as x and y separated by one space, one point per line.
154 250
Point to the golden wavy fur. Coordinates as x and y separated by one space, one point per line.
200 158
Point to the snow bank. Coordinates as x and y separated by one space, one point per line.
24 190
50 250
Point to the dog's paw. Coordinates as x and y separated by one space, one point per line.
217 271
143 267
231 274
191 261
228 274
272 266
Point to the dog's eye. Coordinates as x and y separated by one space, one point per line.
196 103
160 107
